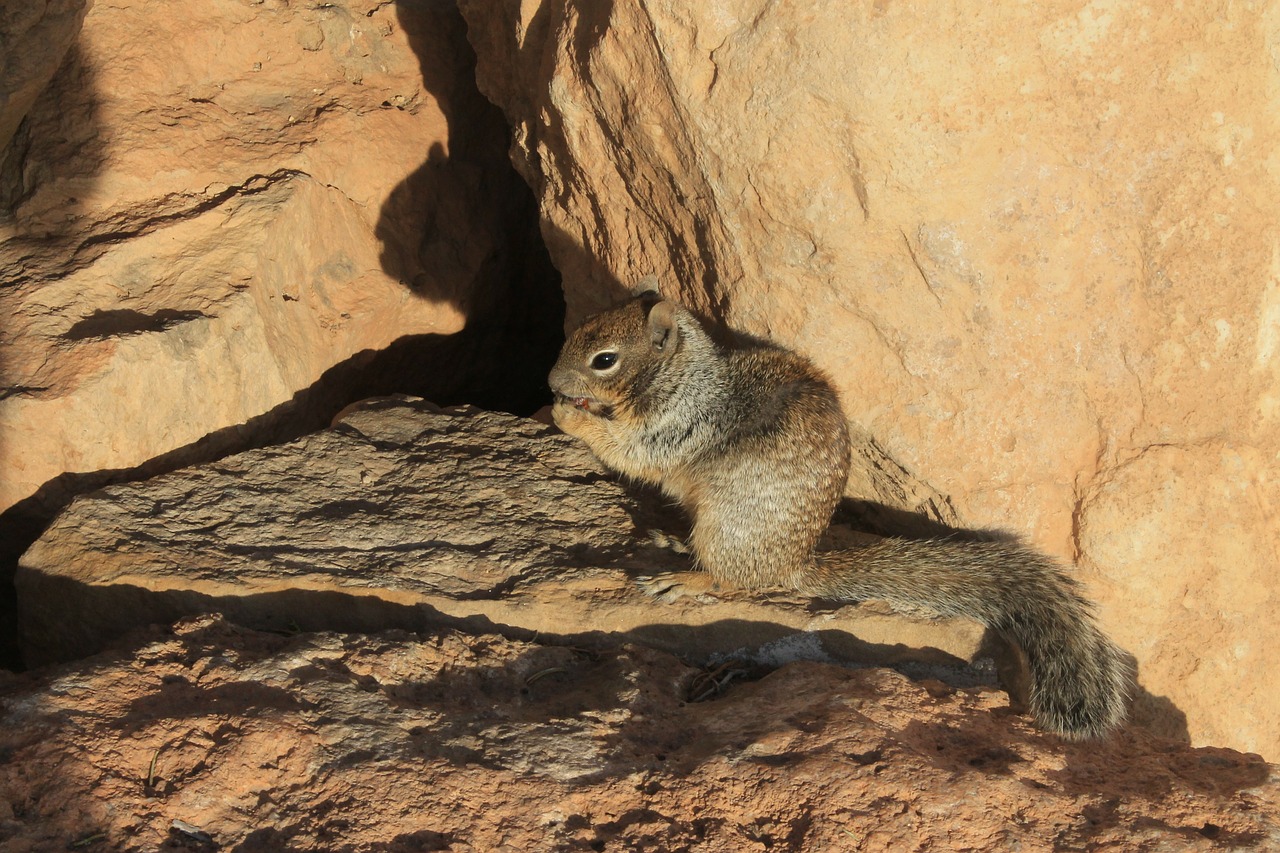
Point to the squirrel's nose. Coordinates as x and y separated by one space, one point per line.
559 379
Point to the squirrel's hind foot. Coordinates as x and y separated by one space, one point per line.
669 586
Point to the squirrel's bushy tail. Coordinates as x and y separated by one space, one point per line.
1080 680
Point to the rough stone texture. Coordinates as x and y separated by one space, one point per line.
34 39
405 516
1037 246
230 219
395 742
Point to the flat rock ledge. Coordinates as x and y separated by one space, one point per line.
210 737
407 516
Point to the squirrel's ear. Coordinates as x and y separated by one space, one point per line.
662 325
646 285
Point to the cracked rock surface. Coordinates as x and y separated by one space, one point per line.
214 737
404 515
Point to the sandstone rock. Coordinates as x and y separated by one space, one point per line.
1035 245
233 218
407 516
397 742
34 39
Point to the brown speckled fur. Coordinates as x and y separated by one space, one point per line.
752 442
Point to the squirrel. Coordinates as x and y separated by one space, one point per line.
751 440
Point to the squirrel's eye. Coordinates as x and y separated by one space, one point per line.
604 360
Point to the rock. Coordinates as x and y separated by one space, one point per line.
34 40
214 735
1035 246
231 219
407 516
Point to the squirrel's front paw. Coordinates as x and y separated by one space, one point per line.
566 415
671 543
669 586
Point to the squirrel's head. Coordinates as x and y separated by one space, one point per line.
615 356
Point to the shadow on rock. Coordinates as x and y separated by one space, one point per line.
59 136
462 229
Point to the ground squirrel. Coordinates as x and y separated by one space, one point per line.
751 440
